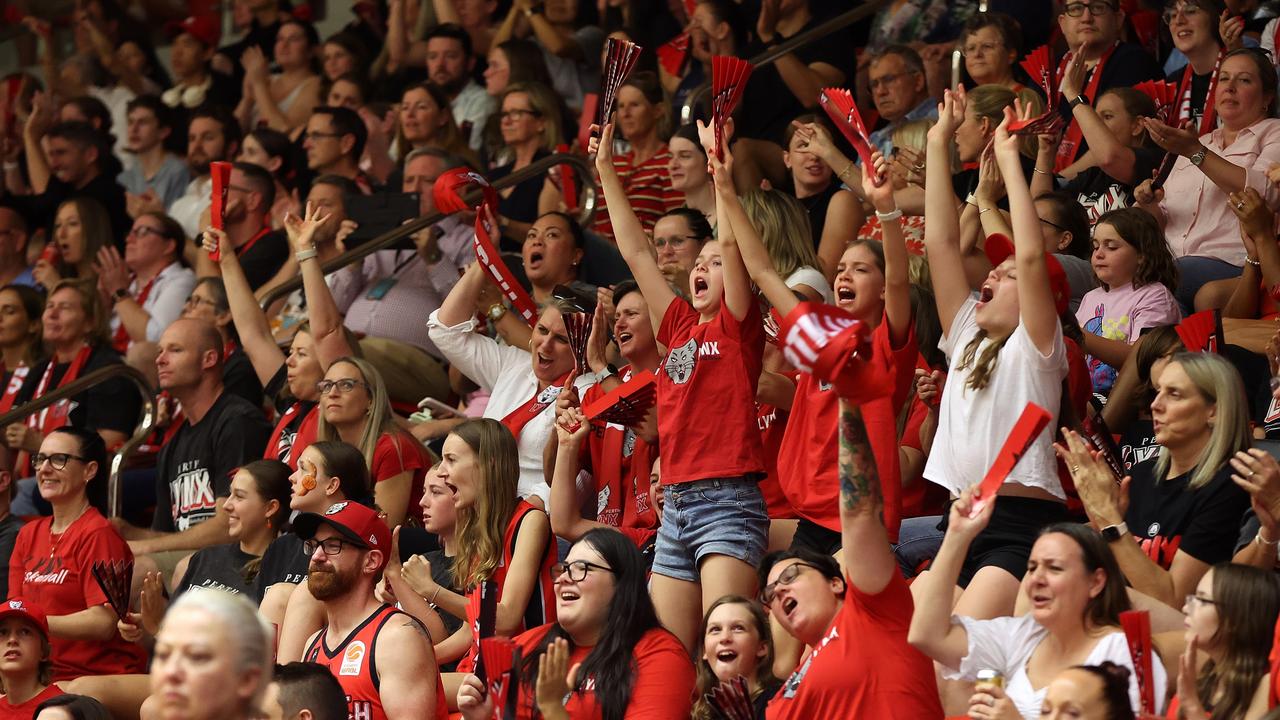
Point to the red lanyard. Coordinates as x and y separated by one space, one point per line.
120 341
1070 147
11 390
240 251
1209 117
54 416
541 400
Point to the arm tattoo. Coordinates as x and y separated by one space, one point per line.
859 480
420 629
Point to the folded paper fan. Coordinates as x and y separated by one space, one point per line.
1040 68
620 59
673 53
114 577
626 404
728 81
840 107
731 700
578 327
1030 424
1099 437
1202 332
497 655
1137 632
1164 94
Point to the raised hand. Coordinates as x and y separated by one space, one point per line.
113 274
929 387
1177 140
553 677
602 148
1104 501
1231 29
598 340
302 230
1259 474
881 196
1257 222
254 63
571 427
416 572
1006 145
1073 75
990 182
1188 695
950 115
960 523
152 602
989 702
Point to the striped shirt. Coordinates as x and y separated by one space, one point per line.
648 186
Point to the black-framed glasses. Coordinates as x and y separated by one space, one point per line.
786 577
577 570
1053 224
1193 600
142 231
517 113
57 460
345 385
1095 8
332 546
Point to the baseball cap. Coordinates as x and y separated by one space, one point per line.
358 524
24 609
201 27
999 248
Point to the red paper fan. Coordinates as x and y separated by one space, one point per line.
728 81
1201 332
620 59
731 700
499 655
1137 631
840 107
1099 437
1047 123
568 181
114 577
1165 96
673 53
626 404
1040 68
578 327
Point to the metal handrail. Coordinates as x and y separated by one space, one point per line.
590 194
768 57
79 385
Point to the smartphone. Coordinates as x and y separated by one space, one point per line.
438 409
378 214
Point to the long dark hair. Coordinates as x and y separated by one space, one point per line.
1115 688
91 448
610 664
1103 610
346 462
1247 600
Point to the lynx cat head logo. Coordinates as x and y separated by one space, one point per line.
679 364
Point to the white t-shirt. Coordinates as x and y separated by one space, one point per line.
810 276
973 425
1005 645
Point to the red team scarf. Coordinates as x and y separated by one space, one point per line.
54 416
120 341
11 390
541 400
1210 116
1070 147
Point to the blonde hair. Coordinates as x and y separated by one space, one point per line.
91 304
250 634
989 102
1220 384
544 103
380 421
784 229
481 528
913 134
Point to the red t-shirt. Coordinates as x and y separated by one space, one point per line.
810 451
863 668
26 710
706 394
56 575
619 461
542 601
662 683
773 425
397 453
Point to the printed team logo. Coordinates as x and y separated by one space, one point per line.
680 361
335 508
1154 530
16 605
1273 412
602 500
548 395
628 443
373 540
352 659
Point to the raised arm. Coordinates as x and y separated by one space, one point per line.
633 244
861 504
1108 153
566 517
326 321
1038 315
941 219
251 323
737 283
897 283
755 256
37 123
932 631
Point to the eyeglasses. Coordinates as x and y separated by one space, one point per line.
240 188
1053 224
345 385
1095 8
577 570
786 577
984 48
887 80
57 460
141 231
517 113
332 546
1188 11
675 243
1193 600
311 134
196 301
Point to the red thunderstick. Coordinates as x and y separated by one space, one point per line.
1137 631
1030 424
220 173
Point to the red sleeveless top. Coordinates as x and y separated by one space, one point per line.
354 664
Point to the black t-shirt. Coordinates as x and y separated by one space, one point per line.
9 528
772 105
522 204
1167 516
442 574
220 567
194 468
1199 91
817 206
240 379
110 405
264 258
283 562
1098 192
39 210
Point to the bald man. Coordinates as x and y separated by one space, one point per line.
219 433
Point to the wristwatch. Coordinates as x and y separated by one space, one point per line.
495 312
1079 100
1198 158
1112 533
119 294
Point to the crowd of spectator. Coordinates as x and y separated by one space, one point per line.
381 489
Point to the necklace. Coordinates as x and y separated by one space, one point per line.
56 538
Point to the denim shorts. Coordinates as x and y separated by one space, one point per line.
725 516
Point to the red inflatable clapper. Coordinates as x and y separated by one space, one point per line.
1030 424
491 262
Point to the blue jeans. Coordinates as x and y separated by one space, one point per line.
918 540
1193 272
710 517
